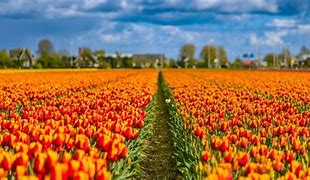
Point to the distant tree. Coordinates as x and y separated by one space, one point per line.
285 57
222 56
307 63
46 48
304 50
238 64
127 62
100 54
201 64
86 57
301 56
172 63
118 60
168 63
188 51
54 61
103 61
16 62
5 60
46 51
271 60
65 58
208 51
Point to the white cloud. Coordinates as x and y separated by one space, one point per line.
304 28
88 4
282 23
130 34
173 32
237 5
271 39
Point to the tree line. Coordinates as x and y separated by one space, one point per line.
48 57
210 57
216 57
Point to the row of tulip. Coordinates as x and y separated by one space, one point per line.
243 130
73 125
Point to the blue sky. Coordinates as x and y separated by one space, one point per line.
153 26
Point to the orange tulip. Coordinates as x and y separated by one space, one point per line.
243 159
51 160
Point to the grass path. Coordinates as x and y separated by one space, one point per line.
158 161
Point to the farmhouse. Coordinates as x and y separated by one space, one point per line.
22 57
148 60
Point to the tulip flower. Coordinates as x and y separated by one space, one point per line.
38 163
205 155
243 159
6 162
51 160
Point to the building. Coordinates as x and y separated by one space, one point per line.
148 60
22 57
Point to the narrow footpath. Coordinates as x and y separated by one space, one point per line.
157 158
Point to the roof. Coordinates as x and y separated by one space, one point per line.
147 57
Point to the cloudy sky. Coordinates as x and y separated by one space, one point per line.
154 26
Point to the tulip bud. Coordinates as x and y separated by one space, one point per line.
243 159
51 160
205 155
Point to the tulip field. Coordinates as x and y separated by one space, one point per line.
96 124
76 125
244 124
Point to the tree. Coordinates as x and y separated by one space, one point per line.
222 56
285 57
214 52
271 60
127 62
86 57
46 51
14 53
304 56
103 62
304 50
208 54
5 60
46 48
188 51
118 60
307 63
238 64
65 59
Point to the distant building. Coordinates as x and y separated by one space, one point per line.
22 57
148 60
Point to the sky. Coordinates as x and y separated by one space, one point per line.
154 26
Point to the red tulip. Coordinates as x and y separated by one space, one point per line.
6 162
278 166
104 143
205 155
51 159
243 159
38 164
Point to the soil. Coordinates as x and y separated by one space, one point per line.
157 158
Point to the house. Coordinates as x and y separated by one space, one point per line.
148 60
22 57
